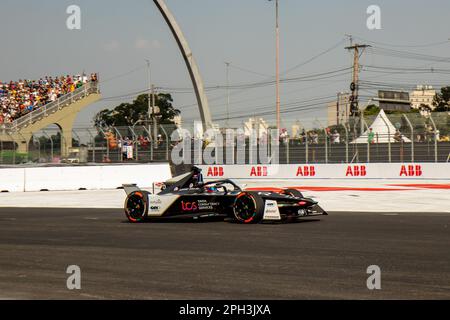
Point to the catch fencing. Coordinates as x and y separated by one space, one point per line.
407 138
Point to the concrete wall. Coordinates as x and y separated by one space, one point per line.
81 177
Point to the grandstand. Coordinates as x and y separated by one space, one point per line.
23 115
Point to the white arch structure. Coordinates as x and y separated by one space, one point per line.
194 72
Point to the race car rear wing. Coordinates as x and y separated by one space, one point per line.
129 188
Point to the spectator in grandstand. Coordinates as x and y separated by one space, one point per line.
106 159
143 142
429 133
94 77
397 136
303 136
314 137
23 96
336 137
160 139
284 136
127 149
371 136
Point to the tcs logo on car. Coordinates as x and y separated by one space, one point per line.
189 206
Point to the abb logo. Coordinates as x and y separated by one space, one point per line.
411 171
215 172
306 171
259 172
356 171
189 206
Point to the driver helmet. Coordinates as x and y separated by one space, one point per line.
211 189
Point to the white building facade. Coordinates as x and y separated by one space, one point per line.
423 95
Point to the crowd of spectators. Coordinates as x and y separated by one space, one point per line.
18 98
128 146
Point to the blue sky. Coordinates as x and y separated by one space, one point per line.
117 36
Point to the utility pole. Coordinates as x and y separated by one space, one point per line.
277 29
278 65
338 105
228 93
354 87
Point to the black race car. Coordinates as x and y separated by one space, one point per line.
189 196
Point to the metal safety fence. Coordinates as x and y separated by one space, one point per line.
400 138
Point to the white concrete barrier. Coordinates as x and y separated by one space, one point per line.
12 180
81 177
143 175
62 178
397 171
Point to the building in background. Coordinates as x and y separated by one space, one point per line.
339 111
296 130
258 125
394 100
423 96
178 121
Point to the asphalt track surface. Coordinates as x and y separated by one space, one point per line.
315 259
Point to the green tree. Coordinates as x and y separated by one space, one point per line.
127 114
371 110
442 100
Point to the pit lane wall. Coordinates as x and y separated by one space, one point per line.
81 177
393 171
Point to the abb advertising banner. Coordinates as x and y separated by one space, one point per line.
397 171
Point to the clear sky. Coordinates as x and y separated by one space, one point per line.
117 36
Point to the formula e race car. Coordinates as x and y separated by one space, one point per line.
189 196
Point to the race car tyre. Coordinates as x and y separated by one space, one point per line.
248 208
293 192
136 206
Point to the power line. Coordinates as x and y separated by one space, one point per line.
405 46
268 97
125 95
189 90
249 71
290 110
261 108
407 55
123 74
251 85
314 57
399 70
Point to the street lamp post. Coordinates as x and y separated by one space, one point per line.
228 93
151 106
149 91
